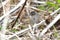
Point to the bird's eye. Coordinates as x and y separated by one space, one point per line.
32 13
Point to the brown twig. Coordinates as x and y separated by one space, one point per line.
19 14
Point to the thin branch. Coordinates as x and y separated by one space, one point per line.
50 25
12 33
5 21
14 9
36 9
20 33
41 2
19 13
56 11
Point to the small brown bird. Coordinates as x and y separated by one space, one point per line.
34 17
